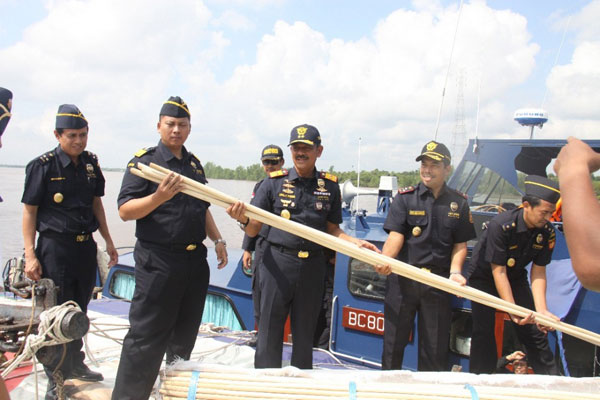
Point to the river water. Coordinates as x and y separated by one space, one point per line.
123 233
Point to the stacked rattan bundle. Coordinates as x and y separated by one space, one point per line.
225 383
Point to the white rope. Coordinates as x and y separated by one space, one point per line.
49 333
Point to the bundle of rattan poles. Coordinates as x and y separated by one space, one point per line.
157 173
224 383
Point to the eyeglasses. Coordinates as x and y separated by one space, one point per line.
270 162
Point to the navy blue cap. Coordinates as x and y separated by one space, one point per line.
305 134
271 152
542 188
175 107
68 116
436 151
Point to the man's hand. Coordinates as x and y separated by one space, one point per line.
367 245
112 252
237 211
169 187
383 269
33 268
545 328
530 319
221 251
247 259
458 278
517 355
576 152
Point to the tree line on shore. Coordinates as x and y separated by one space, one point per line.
255 172
369 179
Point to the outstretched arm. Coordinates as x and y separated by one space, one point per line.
573 166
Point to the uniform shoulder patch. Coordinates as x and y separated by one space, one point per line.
460 193
407 189
276 174
328 176
143 151
46 157
508 226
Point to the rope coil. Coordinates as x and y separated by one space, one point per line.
49 334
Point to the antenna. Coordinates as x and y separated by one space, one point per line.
459 133
437 124
358 174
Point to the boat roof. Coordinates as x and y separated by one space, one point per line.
507 156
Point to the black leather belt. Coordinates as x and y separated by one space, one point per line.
175 246
84 237
296 252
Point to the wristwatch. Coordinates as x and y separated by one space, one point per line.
243 225
220 241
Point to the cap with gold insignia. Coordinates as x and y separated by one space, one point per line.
436 151
5 106
175 107
305 134
542 188
271 152
68 116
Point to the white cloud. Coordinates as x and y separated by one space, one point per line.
118 60
574 88
234 20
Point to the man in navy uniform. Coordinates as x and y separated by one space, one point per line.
171 271
62 201
431 223
292 270
5 107
272 160
512 240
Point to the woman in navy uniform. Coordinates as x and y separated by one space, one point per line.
430 224
512 240
292 269
171 272
62 201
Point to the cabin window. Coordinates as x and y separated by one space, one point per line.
493 189
122 285
219 310
466 176
363 281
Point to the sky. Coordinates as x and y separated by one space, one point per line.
368 74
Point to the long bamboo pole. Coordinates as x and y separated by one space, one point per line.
193 188
246 378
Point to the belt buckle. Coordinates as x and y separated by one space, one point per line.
191 247
303 254
80 238
425 269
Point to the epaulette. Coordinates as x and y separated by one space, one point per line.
407 189
460 193
509 225
328 176
91 155
549 228
46 157
143 151
276 174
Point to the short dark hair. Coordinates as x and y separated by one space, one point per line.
532 200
